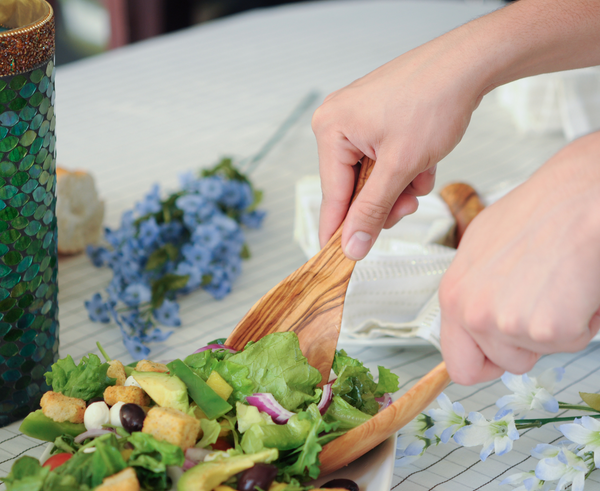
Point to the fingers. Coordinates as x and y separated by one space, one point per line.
465 361
338 176
381 194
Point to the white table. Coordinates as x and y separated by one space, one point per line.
147 112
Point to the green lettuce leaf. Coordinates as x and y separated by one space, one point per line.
388 382
153 455
304 462
107 459
26 475
344 414
211 429
356 386
276 365
84 381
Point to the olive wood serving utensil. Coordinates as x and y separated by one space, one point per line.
308 302
465 204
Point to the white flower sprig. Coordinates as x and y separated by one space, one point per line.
562 466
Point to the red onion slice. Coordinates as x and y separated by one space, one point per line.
215 347
196 455
384 401
268 404
325 398
93 434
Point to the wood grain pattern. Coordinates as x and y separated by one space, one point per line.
464 204
309 301
358 441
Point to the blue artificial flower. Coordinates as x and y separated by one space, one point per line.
98 310
253 219
227 250
190 203
136 294
96 255
226 225
150 203
186 268
168 313
188 181
197 255
134 345
207 236
149 232
219 286
156 336
211 188
233 194
171 232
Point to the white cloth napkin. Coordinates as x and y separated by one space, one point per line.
567 102
393 291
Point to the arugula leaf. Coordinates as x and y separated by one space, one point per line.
83 381
277 365
26 475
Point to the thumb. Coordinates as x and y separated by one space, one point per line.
369 211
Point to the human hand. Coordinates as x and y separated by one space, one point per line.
526 278
406 115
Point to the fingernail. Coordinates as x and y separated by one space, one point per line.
358 246
432 170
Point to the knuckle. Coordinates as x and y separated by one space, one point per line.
372 213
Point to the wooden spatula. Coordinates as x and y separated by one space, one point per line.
308 302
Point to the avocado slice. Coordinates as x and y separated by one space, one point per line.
213 405
165 389
208 475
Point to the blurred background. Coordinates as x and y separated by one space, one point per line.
88 27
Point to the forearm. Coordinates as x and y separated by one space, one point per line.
526 38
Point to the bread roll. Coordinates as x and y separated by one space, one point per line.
79 211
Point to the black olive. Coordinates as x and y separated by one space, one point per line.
94 399
341 483
260 476
132 417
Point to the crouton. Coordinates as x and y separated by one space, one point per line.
117 370
150 366
61 408
172 425
126 480
116 393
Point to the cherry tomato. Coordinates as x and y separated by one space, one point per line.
221 444
56 460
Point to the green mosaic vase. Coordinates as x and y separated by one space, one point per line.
28 254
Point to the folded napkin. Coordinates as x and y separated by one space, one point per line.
567 102
393 291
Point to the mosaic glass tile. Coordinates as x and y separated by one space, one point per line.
28 257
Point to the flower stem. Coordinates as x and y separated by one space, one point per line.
521 424
564 405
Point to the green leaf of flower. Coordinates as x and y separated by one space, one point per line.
168 283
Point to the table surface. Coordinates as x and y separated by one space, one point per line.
145 113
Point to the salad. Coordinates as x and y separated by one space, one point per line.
217 420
